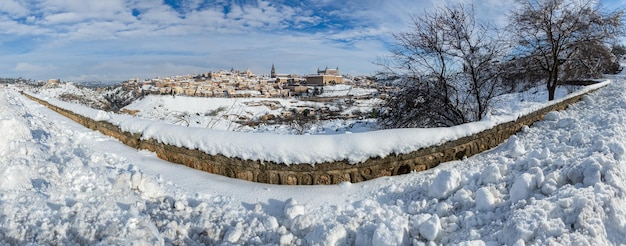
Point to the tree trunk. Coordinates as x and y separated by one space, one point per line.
553 80
551 92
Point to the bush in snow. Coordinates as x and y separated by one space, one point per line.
118 98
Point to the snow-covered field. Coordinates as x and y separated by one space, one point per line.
340 114
288 149
346 90
275 115
72 93
223 113
560 181
228 114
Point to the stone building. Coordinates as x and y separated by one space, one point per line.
325 77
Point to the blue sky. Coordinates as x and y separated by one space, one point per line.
114 40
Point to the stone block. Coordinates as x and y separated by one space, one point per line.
323 179
245 175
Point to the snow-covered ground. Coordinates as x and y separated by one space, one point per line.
72 93
224 113
231 114
346 90
560 181
237 114
274 115
295 149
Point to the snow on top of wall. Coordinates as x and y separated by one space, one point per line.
310 149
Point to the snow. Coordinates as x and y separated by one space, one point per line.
346 90
65 184
445 183
429 229
230 114
485 200
288 149
522 187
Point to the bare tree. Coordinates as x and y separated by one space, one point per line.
552 32
590 61
619 50
117 98
446 66
478 49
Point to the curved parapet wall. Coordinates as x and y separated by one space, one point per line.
320 173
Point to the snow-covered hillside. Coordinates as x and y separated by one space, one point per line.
561 181
71 93
233 114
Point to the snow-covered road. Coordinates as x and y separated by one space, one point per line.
561 181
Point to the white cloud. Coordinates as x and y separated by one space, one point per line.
65 12
90 39
89 8
13 8
63 18
96 30
356 34
11 28
102 40
160 15
32 68
120 59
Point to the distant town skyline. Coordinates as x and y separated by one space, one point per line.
114 40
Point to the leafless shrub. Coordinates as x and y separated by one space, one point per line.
182 119
118 98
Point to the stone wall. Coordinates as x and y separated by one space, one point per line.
325 173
